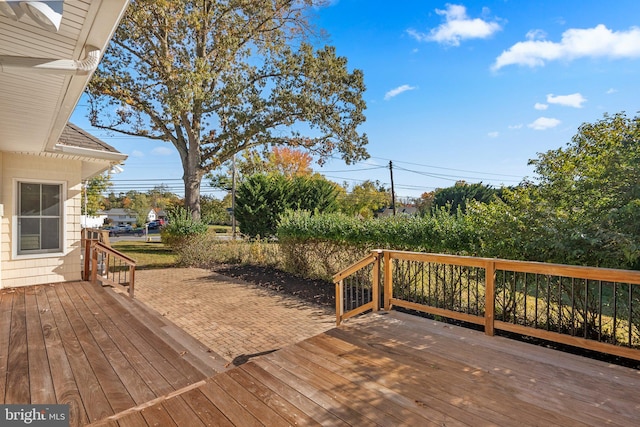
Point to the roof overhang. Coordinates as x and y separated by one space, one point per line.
89 153
44 73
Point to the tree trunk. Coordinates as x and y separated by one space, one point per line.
192 178
192 193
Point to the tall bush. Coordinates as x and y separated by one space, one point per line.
321 245
261 199
181 226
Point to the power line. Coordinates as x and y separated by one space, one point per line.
443 176
451 169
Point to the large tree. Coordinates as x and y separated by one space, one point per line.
216 77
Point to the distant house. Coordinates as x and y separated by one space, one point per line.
44 70
156 214
400 210
120 216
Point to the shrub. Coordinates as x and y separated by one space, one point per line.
207 250
181 226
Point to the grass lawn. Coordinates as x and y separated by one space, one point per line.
147 254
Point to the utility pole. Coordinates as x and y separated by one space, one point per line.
393 193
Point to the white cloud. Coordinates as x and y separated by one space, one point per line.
457 26
597 42
493 134
514 127
612 90
137 153
397 91
539 106
536 35
543 123
162 151
574 100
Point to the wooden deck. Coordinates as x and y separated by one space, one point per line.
72 344
397 369
85 346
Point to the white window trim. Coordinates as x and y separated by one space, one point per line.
14 219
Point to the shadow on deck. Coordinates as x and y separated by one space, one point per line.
79 344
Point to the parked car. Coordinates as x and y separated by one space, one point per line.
153 225
124 228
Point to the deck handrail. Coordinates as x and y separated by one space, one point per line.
90 235
111 267
588 307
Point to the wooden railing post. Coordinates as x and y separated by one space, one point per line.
388 282
87 260
489 295
339 302
132 277
94 265
375 285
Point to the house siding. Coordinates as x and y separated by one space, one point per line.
45 268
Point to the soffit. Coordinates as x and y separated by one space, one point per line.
35 107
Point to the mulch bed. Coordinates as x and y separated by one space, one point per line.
318 292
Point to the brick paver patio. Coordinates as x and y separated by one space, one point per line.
235 319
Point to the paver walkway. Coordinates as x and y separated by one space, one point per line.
233 318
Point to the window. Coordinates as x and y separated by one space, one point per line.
39 218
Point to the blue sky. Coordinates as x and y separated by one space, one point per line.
462 90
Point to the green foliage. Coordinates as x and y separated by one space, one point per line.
214 211
455 198
365 199
140 206
439 233
94 201
585 209
592 192
181 227
259 202
262 199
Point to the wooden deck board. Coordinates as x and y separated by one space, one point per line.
64 382
93 396
6 301
73 343
41 385
17 365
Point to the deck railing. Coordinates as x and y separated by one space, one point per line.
593 308
105 265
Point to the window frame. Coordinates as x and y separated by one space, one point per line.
62 225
